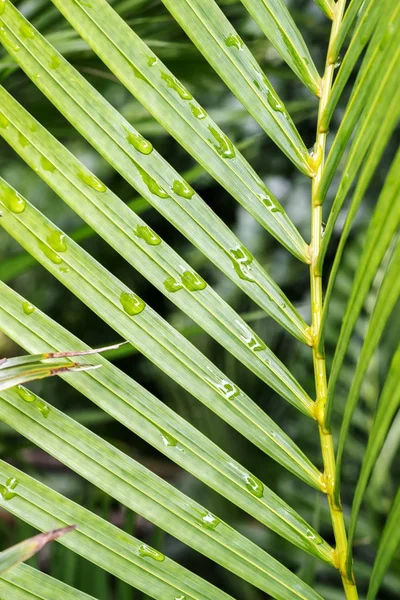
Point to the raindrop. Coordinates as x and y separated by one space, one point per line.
192 281
254 485
151 183
172 285
209 521
168 439
198 112
27 307
151 60
139 142
25 394
145 550
176 85
47 165
337 62
274 103
6 491
27 31
14 201
234 40
92 181
55 62
43 408
229 389
181 188
56 239
7 41
241 260
224 145
24 142
131 303
138 74
50 254
144 232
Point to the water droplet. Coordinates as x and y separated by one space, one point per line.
316 156
229 389
92 181
145 550
192 281
198 112
180 598
254 485
241 260
176 85
25 394
172 285
181 188
139 142
13 201
151 183
50 254
337 62
55 61
323 227
224 145
168 440
2 6
151 60
252 340
56 239
47 165
270 203
6 491
7 41
274 103
234 40
43 408
144 232
137 73
4 122
282 305
131 303
314 537
27 31
24 142
27 307
209 521
64 269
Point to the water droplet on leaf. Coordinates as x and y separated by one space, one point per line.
131 303
181 188
27 307
92 181
176 85
198 112
139 142
234 40
144 232
47 165
13 201
145 551
224 145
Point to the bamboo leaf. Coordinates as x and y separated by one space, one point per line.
389 403
215 37
125 148
388 545
131 560
384 223
276 22
327 7
24 550
25 583
355 9
143 492
389 294
127 233
116 303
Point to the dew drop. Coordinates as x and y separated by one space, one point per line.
139 142
144 232
181 188
4 122
271 204
151 183
229 389
323 227
27 307
145 550
7 41
224 145
27 31
14 201
192 281
43 408
50 254
137 73
131 303
180 598
172 285
151 60
6 491
234 40
12 483
254 485
337 62
64 269
314 537
56 239
198 112
241 260
92 181
256 344
209 521
23 141
315 157
168 439
274 103
25 394
47 165
176 85
55 62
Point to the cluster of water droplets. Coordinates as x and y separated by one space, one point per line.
189 280
30 397
7 490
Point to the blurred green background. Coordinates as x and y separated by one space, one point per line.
154 24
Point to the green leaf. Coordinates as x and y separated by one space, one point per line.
388 296
388 405
127 233
215 37
383 225
127 56
276 22
150 496
134 562
25 583
354 9
388 545
24 550
327 7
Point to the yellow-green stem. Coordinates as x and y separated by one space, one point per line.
327 449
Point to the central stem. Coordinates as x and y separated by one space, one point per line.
327 449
